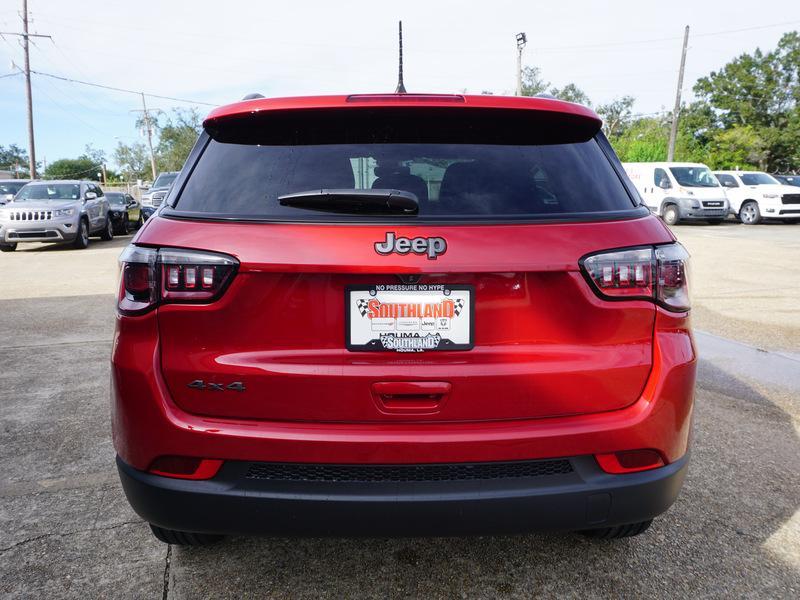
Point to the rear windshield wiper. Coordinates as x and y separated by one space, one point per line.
368 202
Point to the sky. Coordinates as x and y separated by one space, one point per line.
213 53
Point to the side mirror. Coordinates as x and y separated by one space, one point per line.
132 203
90 196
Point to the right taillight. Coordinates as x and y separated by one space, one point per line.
656 273
152 276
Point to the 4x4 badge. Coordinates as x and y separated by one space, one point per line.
432 246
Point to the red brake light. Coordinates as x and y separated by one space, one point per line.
151 276
658 274
629 461
185 467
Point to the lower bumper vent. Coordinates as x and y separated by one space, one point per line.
409 473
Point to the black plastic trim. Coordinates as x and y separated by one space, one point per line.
232 504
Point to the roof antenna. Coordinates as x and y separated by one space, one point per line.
401 89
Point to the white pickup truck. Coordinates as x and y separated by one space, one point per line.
754 196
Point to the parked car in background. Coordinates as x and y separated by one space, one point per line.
147 212
67 211
356 343
156 194
9 188
755 196
679 191
793 180
126 212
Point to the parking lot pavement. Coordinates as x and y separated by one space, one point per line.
66 530
746 281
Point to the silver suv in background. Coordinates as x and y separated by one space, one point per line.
9 188
156 194
67 211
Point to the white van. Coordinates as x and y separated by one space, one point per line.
755 196
679 191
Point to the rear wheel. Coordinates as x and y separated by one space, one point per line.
108 232
8 247
184 538
82 239
618 532
749 213
671 215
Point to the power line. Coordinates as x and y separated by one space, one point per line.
667 39
117 89
10 75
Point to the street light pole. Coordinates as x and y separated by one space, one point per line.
521 41
673 131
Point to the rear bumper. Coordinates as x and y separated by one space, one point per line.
232 503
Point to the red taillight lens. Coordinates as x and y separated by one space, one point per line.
629 461
657 274
185 467
151 276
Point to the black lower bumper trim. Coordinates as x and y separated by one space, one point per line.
231 503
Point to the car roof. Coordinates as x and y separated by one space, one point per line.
14 180
666 164
356 101
62 181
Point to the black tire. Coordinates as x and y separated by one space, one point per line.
82 239
126 225
671 215
184 538
140 221
715 221
618 532
749 214
108 230
8 247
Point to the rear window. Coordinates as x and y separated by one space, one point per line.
460 180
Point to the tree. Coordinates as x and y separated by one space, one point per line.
73 168
738 147
645 140
14 159
532 82
616 116
571 93
177 137
133 160
760 91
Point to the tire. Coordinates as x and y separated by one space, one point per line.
140 221
108 230
671 215
749 213
715 221
184 538
618 532
8 247
126 225
82 239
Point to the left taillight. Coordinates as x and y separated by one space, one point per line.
656 273
152 276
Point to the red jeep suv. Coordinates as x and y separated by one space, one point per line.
402 314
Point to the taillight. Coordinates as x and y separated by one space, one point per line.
152 276
658 274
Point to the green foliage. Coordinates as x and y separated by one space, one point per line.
177 136
571 93
13 158
645 140
133 160
532 82
616 116
73 168
752 108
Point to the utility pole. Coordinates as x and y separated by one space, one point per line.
522 39
149 137
27 70
673 132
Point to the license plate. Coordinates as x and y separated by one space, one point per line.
409 318
713 204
